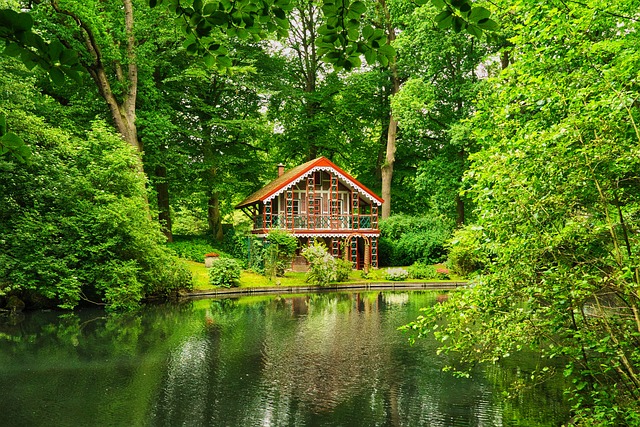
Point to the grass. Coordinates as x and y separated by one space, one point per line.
199 274
250 279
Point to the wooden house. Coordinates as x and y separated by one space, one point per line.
319 201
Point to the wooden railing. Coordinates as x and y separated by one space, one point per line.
319 222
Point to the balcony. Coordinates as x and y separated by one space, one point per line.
318 222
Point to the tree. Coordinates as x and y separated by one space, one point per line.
432 105
73 223
555 185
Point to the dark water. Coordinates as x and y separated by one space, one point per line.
314 360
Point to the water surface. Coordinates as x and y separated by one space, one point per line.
312 360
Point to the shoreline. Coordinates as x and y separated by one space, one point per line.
391 286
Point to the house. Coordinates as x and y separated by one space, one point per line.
319 201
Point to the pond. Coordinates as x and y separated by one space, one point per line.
332 359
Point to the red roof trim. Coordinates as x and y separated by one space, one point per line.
292 175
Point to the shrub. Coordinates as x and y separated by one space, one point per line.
406 239
396 274
442 273
225 272
422 271
278 252
192 248
466 255
343 268
75 225
322 266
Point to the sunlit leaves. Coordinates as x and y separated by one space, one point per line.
11 144
462 15
345 38
20 41
207 24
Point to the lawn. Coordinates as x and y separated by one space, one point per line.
250 279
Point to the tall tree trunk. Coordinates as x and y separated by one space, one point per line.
387 166
164 209
124 112
214 218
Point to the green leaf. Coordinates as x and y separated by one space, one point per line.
358 7
224 61
444 19
479 13
11 140
439 4
209 60
488 24
209 8
367 32
73 75
22 22
458 24
474 31
465 7
12 49
69 57
387 50
54 51
57 76
371 56
3 124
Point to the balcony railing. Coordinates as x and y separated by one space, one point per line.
317 222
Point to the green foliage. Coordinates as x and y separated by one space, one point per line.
203 24
407 239
343 269
467 254
557 195
278 252
59 61
193 248
12 144
461 15
396 274
422 271
225 272
343 39
322 266
74 224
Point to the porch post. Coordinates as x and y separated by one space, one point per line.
374 251
355 210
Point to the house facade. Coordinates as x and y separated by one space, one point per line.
319 201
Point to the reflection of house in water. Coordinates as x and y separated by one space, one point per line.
319 201
329 361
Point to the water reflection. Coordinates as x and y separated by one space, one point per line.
328 359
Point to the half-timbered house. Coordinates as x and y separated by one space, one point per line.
319 201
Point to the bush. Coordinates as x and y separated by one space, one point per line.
343 269
466 255
396 274
74 223
442 273
408 239
192 248
278 252
225 272
422 271
322 266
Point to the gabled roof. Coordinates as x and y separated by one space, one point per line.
295 175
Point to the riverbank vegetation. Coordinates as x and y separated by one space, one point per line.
509 152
